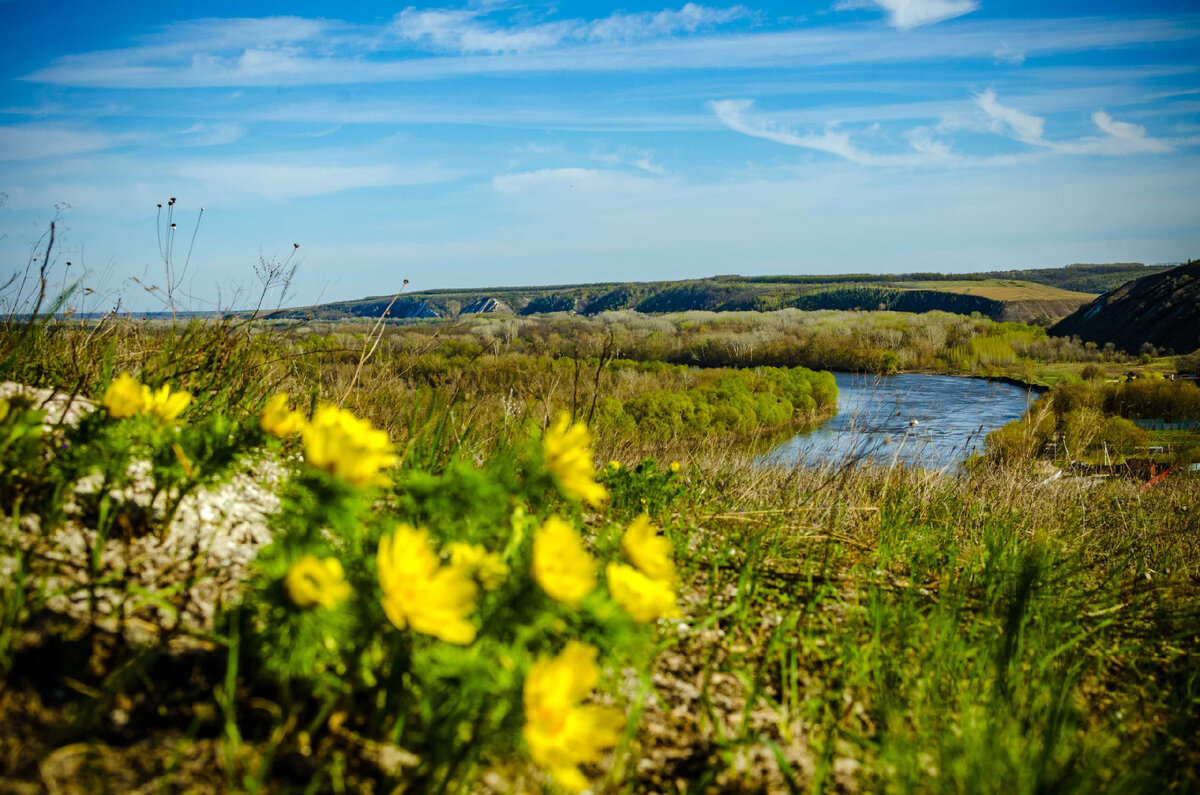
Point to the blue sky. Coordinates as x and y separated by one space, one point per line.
497 143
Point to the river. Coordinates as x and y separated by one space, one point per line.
925 421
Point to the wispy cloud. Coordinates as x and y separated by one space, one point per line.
470 31
204 134
624 156
37 141
1024 127
104 183
288 51
1120 138
563 180
908 14
731 112
240 180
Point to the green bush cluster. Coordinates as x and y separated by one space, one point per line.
878 342
1093 418
651 398
740 402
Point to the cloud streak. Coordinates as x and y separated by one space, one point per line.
466 31
571 180
909 14
295 52
1119 139
37 141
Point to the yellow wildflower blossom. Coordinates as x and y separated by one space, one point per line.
278 420
312 581
488 567
675 466
421 593
569 458
124 397
560 563
346 447
647 550
644 599
561 732
164 403
614 465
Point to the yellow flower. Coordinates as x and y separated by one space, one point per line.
647 550
644 599
124 397
489 567
674 466
165 404
311 581
563 733
614 465
421 593
346 447
560 563
278 420
569 459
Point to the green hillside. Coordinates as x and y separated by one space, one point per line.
1028 295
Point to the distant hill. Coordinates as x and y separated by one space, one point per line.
1162 309
1042 294
1085 278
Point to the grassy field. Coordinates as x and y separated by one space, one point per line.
825 630
1000 290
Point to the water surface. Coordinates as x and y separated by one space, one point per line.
927 421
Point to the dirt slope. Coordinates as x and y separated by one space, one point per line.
1162 309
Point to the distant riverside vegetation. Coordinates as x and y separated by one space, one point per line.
1036 295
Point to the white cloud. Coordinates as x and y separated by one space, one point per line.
908 14
1121 138
647 165
731 112
689 18
301 52
464 31
1009 56
921 139
1023 126
566 180
37 141
202 134
624 156
240 180
1128 137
